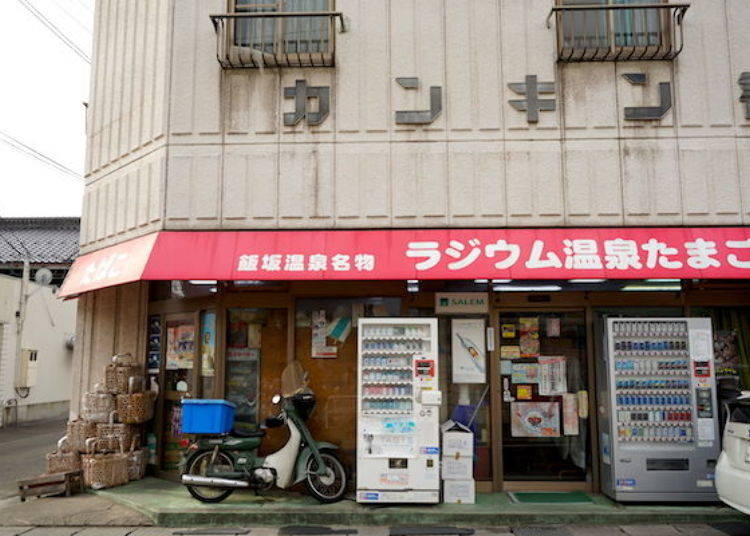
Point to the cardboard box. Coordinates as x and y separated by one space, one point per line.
459 491
458 468
458 440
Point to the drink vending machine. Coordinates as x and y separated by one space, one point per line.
398 407
658 410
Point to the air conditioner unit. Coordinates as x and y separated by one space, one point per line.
27 368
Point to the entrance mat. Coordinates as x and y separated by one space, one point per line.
549 497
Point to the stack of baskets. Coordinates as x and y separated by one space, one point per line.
105 442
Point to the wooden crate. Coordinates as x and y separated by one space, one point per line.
54 484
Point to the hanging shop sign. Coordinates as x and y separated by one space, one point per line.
457 303
609 253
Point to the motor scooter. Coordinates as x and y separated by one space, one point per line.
216 466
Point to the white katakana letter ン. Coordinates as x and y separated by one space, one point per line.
456 249
582 254
294 263
427 250
732 258
340 263
364 262
700 254
513 253
317 263
658 253
247 263
271 263
621 254
535 260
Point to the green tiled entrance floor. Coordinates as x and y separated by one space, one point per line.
169 504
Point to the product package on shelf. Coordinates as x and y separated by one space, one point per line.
64 459
118 373
104 470
78 432
97 404
111 435
137 406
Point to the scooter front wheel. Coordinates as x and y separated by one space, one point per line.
198 465
331 486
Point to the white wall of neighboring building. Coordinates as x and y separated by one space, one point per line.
49 322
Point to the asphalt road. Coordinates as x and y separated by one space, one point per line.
23 450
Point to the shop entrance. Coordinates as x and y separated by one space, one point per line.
544 389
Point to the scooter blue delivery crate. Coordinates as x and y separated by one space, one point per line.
207 416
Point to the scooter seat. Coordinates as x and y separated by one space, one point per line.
248 433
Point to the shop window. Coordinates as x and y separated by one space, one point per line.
242 363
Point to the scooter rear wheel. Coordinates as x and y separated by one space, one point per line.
198 464
330 487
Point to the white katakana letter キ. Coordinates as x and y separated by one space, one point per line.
513 252
457 248
582 254
294 263
535 260
621 254
364 262
317 263
700 254
247 263
340 263
427 250
658 253
732 259
271 263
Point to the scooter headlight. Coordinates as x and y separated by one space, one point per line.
276 399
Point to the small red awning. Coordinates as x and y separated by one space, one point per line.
581 253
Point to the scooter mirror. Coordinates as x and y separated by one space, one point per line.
276 399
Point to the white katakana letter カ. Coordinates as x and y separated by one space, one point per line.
247 263
732 259
582 254
550 260
427 250
317 263
700 254
457 248
658 253
294 263
364 262
512 251
271 263
620 254
340 263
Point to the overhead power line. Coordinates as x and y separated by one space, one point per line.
73 18
21 147
55 30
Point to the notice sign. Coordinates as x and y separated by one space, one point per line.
453 303
468 350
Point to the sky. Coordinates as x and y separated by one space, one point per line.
42 90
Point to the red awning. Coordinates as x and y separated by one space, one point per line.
605 253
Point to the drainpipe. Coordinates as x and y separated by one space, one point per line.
20 319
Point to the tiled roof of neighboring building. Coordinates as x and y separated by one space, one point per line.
41 240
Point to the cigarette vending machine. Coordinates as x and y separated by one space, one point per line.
398 406
658 411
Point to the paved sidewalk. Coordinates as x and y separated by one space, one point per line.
569 530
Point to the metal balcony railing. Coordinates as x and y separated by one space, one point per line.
618 32
276 39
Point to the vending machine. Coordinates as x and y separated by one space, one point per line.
398 406
658 411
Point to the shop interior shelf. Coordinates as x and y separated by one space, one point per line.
655 407
391 352
685 442
650 423
394 338
653 391
684 373
386 411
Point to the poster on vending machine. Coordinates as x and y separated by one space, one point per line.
468 350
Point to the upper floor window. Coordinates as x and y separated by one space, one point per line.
277 33
611 30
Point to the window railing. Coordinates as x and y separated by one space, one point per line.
618 32
276 39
